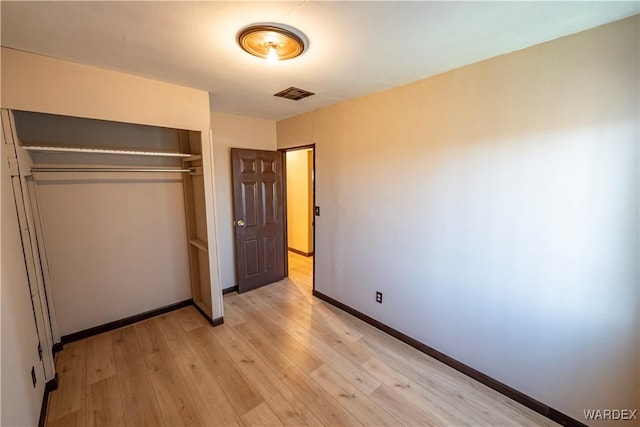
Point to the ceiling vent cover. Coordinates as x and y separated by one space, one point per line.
294 93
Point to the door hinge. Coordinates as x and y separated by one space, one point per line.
40 351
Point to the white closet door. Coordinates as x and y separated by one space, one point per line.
44 262
28 234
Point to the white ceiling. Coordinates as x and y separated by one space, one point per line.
355 48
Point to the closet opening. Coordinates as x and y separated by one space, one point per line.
119 218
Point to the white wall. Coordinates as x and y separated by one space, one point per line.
299 198
20 402
496 207
42 84
230 131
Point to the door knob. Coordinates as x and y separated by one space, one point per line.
239 223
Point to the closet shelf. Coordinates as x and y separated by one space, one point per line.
104 151
192 158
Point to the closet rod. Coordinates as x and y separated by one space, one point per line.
109 170
103 151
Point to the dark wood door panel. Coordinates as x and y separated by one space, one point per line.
258 193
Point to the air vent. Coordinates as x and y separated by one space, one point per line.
294 93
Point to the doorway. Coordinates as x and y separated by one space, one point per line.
300 222
274 208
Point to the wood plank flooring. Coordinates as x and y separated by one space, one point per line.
282 358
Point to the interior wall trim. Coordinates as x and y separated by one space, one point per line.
57 347
311 146
296 251
213 322
229 290
502 388
86 333
50 386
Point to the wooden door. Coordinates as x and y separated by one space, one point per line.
258 202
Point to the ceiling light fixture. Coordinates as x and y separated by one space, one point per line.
274 42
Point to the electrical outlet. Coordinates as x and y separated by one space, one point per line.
317 210
379 297
33 376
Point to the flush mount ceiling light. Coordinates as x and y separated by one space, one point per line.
274 42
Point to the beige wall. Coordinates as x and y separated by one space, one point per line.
496 207
231 131
38 83
299 197
42 84
117 245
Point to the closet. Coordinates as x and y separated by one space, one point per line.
118 217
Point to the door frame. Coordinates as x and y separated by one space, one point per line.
313 186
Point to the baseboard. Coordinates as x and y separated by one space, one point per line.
57 347
66 339
217 321
295 251
504 389
49 386
229 290
213 322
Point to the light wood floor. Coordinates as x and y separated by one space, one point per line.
282 357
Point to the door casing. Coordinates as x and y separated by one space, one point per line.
313 186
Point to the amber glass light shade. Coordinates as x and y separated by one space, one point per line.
260 40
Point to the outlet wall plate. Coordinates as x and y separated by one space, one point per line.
379 297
